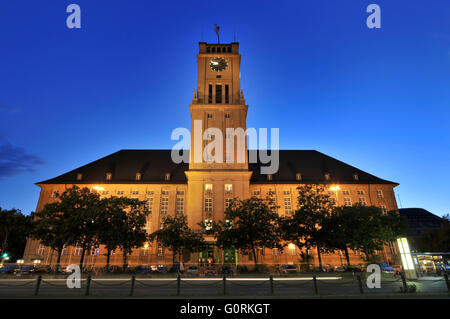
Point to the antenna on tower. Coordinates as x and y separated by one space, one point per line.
217 28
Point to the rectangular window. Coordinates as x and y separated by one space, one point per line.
41 250
383 208
360 192
210 94
180 204
228 187
380 194
208 187
292 251
346 192
160 250
228 202
218 94
347 201
208 224
148 226
208 204
287 206
164 205
362 201
78 250
333 201
134 192
227 97
275 252
149 205
256 193
119 192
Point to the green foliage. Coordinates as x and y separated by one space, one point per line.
14 230
434 240
177 236
249 224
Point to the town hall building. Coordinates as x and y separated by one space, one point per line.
201 190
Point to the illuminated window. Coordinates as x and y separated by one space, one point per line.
228 187
327 176
208 204
79 176
228 202
275 252
179 210
355 177
269 177
138 176
108 176
41 250
287 206
208 187
362 201
298 176
208 224
347 201
160 250
164 205
167 177
292 251
149 205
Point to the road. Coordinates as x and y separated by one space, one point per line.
120 287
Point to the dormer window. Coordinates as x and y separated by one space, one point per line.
355 177
327 176
168 176
228 187
138 176
208 187
269 177
298 177
79 176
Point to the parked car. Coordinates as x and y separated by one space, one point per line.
226 270
142 269
176 268
386 268
353 269
210 271
26 270
192 270
288 269
9 269
339 269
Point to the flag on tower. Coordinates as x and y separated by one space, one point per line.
217 28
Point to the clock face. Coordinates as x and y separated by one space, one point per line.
218 64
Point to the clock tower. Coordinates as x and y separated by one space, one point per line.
218 117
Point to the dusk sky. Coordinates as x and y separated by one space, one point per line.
377 99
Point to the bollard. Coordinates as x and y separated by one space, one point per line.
133 278
88 285
405 286
360 284
38 285
446 281
316 290
224 285
271 284
178 284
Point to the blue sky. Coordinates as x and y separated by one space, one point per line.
376 99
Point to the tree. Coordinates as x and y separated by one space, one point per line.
249 224
52 226
434 240
364 228
304 228
14 230
178 237
131 226
85 209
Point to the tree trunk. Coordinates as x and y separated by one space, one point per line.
58 259
108 256
254 256
83 251
319 256
347 257
125 263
